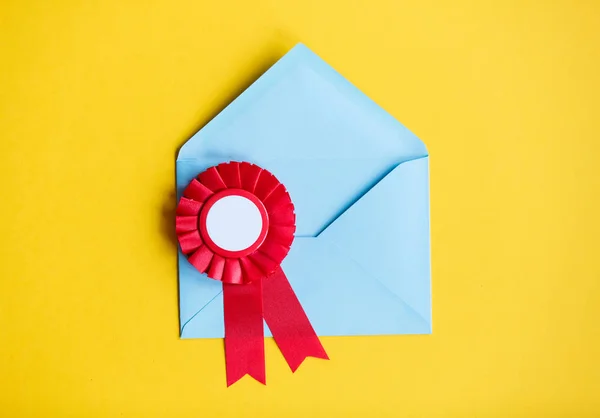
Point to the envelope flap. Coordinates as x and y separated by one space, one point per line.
301 108
309 126
386 232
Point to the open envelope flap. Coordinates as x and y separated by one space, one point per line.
298 119
386 232
300 97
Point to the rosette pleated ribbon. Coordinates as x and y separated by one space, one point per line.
255 287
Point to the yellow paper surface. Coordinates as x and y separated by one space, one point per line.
97 96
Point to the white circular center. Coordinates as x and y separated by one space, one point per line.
234 223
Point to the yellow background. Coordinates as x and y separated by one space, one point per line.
97 96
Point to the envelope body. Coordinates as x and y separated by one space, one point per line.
359 180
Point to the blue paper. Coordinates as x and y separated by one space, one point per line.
359 180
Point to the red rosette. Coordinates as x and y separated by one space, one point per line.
240 250
264 255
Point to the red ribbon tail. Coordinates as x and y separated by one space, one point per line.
244 332
288 322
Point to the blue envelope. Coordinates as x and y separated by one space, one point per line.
359 180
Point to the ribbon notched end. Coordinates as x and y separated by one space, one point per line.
234 375
296 356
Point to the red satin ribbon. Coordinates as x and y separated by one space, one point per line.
244 337
274 299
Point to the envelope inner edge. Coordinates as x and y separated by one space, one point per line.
199 310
